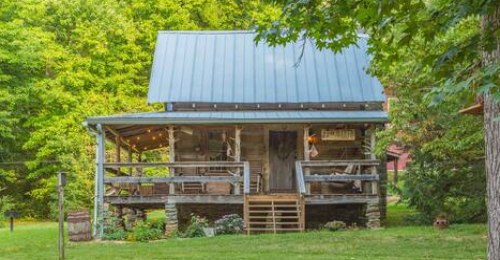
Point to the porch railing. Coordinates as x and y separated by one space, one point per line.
234 179
362 175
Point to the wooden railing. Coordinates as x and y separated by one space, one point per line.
303 180
234 178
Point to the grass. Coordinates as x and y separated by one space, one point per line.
39 241
398 214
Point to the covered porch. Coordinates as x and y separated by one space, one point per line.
162 159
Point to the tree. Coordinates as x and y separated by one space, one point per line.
394 25
62 61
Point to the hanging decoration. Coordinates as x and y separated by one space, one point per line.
313 152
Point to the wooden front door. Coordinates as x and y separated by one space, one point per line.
282 157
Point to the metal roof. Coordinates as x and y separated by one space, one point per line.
228 67
221 117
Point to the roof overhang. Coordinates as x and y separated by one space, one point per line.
241 117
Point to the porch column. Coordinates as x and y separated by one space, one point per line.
237 155
374 186
307 157
99 183
129 159
118 148
171 149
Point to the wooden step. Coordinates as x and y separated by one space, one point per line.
274 212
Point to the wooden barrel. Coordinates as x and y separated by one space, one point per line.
79 228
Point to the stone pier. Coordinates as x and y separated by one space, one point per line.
372 215
171 225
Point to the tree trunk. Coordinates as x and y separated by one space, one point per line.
492 139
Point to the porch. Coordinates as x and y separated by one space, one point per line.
236 165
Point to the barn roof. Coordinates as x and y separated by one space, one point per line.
229 67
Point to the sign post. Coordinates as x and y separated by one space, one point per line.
11 214
61 182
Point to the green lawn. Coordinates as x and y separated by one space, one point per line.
38 241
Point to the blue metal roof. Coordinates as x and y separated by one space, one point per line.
228 67
221 117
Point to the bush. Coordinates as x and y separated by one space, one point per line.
229 224
116 235
335 225
143 232
195 229
454 185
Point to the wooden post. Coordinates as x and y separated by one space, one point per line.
99 205
61 182
118 148
374 185
237 155
395 180
307 157
171 148
129 159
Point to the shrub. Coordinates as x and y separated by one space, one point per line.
450 184
335 225
144 231
116 235
195 229
229 224
156 224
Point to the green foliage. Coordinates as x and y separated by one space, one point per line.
455 187
428 56
335 225
6 203
116 235
195 228
145 231
229 224
62 61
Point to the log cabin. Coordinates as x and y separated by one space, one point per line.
284 136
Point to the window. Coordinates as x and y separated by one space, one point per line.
217 148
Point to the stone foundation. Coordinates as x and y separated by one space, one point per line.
211 212
318 215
